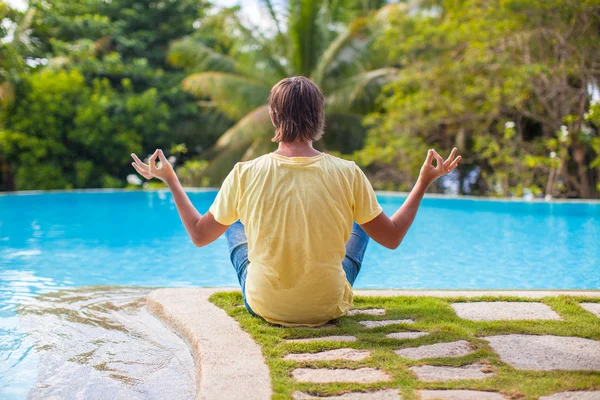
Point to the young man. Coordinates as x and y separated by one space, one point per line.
304 215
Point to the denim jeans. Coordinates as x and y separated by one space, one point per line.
238 253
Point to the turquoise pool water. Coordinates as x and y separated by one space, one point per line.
58 240
66 240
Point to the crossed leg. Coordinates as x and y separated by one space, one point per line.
238 253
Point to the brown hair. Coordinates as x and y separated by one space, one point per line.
297 110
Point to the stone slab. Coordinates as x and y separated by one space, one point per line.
330 355
367 311
323 339
430 373
386 394
385 322
451 349
324 375
594 308
547 352
504 310
449 293
229 363
406 335
595 395
459 395
530 294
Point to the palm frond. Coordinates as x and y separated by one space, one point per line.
264 51
195 56
308 33
234 95
247 139
359 93
259 146
274 16
221 165
335 48
257 124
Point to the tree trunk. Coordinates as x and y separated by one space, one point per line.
582 171
6 175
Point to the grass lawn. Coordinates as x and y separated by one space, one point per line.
432 315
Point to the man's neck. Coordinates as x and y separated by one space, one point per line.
296 149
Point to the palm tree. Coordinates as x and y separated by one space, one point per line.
324 40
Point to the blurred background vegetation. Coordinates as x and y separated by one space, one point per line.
514 84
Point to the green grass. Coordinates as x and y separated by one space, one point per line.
433 315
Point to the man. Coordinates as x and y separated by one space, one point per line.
297 221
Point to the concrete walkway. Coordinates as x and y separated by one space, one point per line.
230 364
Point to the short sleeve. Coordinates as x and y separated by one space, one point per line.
225 206
366 206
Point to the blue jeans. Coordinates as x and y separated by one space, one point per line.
238 253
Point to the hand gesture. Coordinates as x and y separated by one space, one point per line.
164 171
430 173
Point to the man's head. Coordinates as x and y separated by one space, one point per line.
296 106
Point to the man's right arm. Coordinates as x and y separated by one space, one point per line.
389 232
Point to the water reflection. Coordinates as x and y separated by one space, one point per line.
102 343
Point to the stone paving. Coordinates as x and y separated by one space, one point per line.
459 395
325 375
547 352
430 373
503 310
406 335
437 350
386 394
341 338
522 351
385 322
594 308
595 395
331 355
368 311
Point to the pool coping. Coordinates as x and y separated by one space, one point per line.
379 192
229 364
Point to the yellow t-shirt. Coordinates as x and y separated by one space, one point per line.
298 214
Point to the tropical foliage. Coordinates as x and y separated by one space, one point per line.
89 80
512 83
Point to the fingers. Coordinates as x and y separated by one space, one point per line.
450 158
429 157
142 171
454 164
161 157
439 160
152 162
139 162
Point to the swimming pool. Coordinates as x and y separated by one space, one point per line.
53 241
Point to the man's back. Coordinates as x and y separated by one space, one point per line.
298 206
298 214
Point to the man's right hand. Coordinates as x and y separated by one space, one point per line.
164 171
429 172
